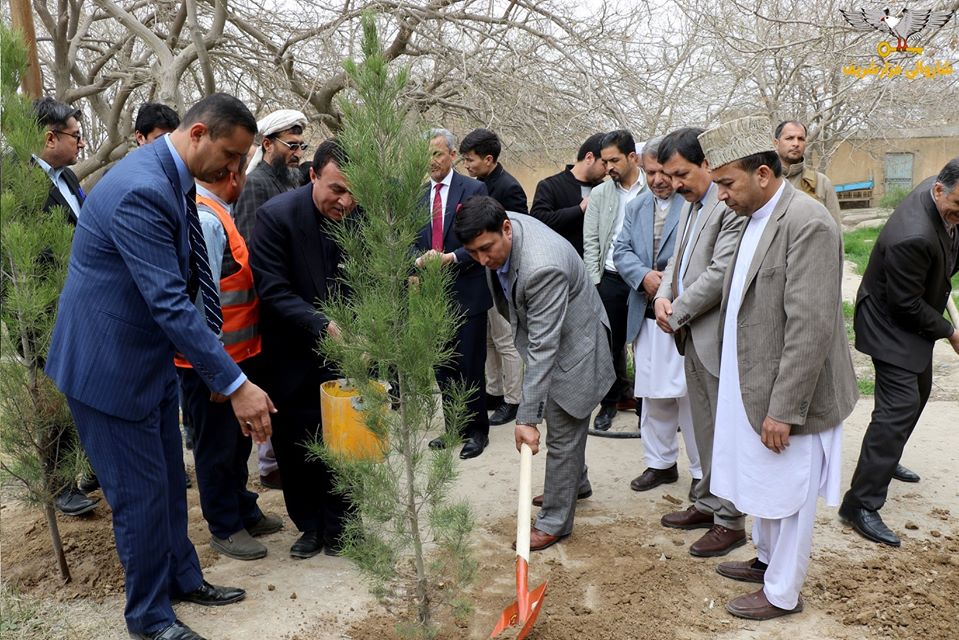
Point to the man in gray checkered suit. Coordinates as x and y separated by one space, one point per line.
540 284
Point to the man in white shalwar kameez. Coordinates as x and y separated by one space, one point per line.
786 379
641 252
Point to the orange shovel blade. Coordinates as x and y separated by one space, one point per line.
510 616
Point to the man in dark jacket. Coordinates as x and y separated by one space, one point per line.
61 148
295 262
560 200
899 317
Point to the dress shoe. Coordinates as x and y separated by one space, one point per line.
473 447
307 545
267 524
604 419
755 606
652 478
539 540
504 413
718 541
176 631
691 518
692 489
73 502
188 480
869 524
89 484
582 495
239 546
905 475
438 443
272 480
493 402
209 595
749 571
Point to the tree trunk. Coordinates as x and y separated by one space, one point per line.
57 542
422 590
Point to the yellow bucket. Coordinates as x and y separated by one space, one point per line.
344 431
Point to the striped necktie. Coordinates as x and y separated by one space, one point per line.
201 280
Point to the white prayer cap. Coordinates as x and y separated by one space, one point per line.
275 123
736 139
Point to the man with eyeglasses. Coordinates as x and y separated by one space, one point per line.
62 143
274 169
61 149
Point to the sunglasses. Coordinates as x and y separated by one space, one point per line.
295 146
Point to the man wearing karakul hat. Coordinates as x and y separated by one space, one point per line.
786 379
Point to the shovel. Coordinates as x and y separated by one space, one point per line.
522 613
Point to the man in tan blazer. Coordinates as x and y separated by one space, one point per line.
688 304
786 379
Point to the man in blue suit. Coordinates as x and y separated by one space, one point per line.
448 190
125 310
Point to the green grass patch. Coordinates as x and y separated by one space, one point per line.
867 386
859 244
848 310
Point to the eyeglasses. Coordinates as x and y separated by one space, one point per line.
76 136
294 146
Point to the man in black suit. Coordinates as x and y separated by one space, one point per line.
447 191
480 151
61 148
899 317
295 264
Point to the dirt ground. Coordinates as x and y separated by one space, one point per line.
619 576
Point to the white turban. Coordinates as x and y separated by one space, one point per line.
274 123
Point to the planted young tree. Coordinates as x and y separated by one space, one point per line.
34 249
406 533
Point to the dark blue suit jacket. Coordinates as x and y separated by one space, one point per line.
124 310
469 282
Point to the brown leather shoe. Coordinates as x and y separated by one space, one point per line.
755 606
539 540
742 571
718 541
538 500
652 478
691 518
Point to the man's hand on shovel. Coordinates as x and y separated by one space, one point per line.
529 434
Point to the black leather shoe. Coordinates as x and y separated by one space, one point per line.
208 595
473 447
604 420
869 525
652 478
493 402
437 443
504 413
308 545
73 502
901 473
176 631
89 483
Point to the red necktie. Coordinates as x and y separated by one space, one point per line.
438 219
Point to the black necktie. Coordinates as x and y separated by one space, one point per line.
201 280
